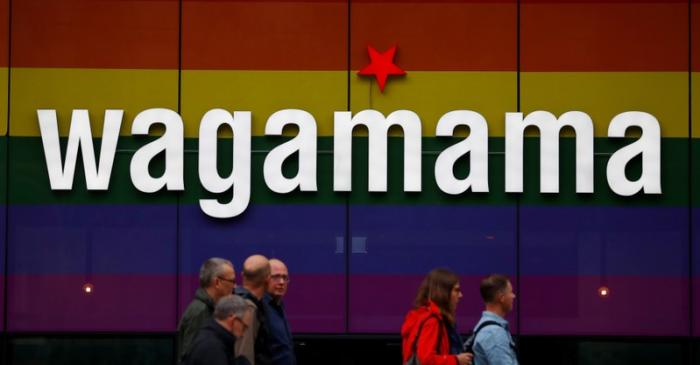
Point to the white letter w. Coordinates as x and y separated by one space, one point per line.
61 177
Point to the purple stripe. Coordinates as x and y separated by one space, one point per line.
580 241
306 237
314 303
696 271
3 215
142 303
378 304
472 240
98 239
635 306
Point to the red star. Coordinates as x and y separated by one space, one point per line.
381 66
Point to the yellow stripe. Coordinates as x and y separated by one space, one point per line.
263 93
602 95
433 93
429 93
696 104
92 89
3 101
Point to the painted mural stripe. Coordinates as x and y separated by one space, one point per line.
453 36
574 306
578 309
29 182
104 310
4 72
695 102
602 95
604 36
95 34
116 303
553 240
92 89
4 32
429 94
385 240
315 32
264 35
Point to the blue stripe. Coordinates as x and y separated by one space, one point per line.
604 241
304 236
471 240
86 239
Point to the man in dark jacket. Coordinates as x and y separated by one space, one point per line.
216 279
279 336
216 339
254 344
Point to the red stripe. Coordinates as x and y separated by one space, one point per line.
440 37
4 31
89 34
264 36
604 37
695 35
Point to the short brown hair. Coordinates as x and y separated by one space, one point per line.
491 286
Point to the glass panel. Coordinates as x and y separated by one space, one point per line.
105 259
463 57
610 265
305 231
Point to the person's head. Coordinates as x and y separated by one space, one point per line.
497 293
233 313
441 286
256 274
217 277
279 279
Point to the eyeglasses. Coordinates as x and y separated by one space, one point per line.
280 277
232 281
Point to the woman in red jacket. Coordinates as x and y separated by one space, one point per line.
434 309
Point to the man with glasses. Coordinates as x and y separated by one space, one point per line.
279 337
216 340
217 279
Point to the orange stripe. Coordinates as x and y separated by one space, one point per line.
264 35
95 34
438 36
604 37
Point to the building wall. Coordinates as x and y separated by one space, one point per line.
361 255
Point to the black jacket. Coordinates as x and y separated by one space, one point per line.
212 346
262 346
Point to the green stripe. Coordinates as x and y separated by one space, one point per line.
3 168
29 180
695 173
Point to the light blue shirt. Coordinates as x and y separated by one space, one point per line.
494 345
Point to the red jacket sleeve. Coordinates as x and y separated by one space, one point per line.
427 345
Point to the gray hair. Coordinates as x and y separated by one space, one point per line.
230 304
210 269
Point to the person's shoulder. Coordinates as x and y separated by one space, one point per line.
492 333
194 308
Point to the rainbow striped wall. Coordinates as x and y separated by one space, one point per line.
355 259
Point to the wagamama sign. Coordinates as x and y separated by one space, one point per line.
171 143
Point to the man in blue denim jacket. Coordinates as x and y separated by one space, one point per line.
493 345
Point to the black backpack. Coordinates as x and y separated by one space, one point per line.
468 345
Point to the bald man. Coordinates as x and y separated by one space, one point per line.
280 337
253 345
